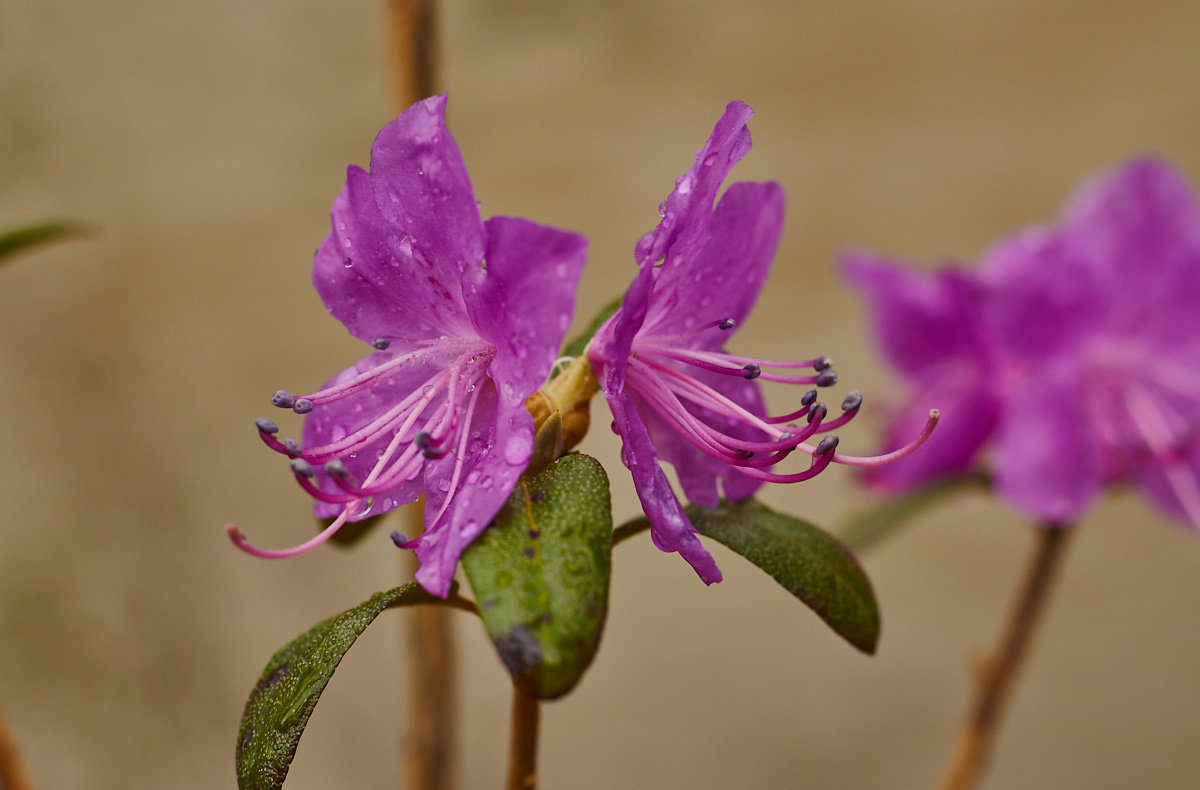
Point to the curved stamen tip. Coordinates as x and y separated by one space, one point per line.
752 371
822 363
816 413
827 377
401 540
428 447
292 447
302 406
381 343
336 468
283 399
827 445
266 426
852 400
808 398
726 324
301 467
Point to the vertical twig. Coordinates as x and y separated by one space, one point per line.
428 750
522 748
975 738
13 775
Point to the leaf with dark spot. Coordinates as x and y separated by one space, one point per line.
284 697
543 572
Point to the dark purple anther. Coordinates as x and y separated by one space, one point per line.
302 406
822 363
852 400
301 467
752 371
424 442
336 468
266 426
827 444
726 324
283 399
816 413
827 378
808 398
381 343
292 447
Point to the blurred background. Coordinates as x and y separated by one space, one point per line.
208 140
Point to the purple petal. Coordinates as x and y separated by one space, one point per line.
723 277
422 189
969 410
698 473
682 229
334 421
374 280
1044 297
524 304
609 350
498 447
669 525
920 319
1047 462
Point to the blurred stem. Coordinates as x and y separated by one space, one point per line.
13 775
971 752
522 749
428 753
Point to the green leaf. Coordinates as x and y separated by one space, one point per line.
278 708
579 344
871 524
810 563
540 574
15 240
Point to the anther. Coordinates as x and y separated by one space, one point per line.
283 399
827 444
808 398
424 442
752 371
727 324
822 363
266 426
304 405
381 343
816 413
301 467
827 378
292 447
336 468
852 400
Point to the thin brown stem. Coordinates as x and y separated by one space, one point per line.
13 775
408 28
974 743
522 748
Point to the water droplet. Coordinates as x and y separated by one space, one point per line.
486 482
517 449
347 262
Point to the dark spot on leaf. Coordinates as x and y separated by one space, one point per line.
545 617
529 552
534 533
247 736
537 496
273 678
487 604
520 651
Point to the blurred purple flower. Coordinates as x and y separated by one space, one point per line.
675 393
1075 348
467 317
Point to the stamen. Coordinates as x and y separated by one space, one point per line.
816 413
381 343
292 448
852 400
879 460
807 398
283 399
302 406
302 467
752 371
826 445
822 363
827 378
336 468
266 426
240 541
726 324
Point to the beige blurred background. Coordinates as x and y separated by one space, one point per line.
208 140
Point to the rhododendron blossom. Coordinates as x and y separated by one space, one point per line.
466 318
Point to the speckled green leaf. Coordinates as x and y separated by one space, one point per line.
871 524
579 344
280 704
14 240
809 562
540 574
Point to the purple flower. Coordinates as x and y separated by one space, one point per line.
675 393
466 316
1074 348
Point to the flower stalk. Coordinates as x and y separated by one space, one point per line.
13 774
969 757
522 750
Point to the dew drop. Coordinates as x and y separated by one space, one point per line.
517 449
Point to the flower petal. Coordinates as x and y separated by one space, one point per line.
685 212
919 319
721 279
374 280
524 303
495 454
1047 460
669 525
610 348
